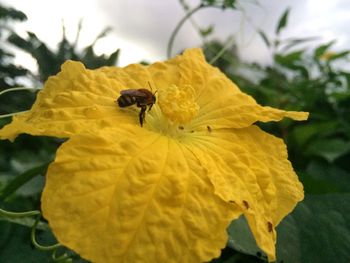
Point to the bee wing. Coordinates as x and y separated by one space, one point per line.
133 92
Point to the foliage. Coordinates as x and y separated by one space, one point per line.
49 61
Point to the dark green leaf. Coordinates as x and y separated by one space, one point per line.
329 149
321 177
282 23
303 133
11 13
15 245
318 230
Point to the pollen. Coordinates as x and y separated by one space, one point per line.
178 103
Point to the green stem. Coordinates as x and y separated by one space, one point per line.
223 50
18 214
62 258
17 89
179 25
12 114
36 244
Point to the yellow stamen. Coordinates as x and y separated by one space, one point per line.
178 103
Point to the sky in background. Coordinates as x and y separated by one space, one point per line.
141 28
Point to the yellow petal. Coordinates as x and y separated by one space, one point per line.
222 104
74 100
250 168
130 195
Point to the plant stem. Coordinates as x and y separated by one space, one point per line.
36 244
11 114
5 213
229 43
17 89
179 25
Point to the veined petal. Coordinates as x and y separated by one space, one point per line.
250 168
77 99
222 104
130 195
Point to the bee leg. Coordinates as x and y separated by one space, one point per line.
150 107
142 114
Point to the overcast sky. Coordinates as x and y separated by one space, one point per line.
141 28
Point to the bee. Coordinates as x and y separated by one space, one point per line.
141 97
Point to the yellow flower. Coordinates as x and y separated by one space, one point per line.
167 191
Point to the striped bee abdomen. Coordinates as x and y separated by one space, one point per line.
126 100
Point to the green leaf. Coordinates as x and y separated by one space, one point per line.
292 42
15 245
329 149
265 38
241 238
321 177
339 55
318 230
282 23
290 58
206 31
303 133
11 13
322 49
22 179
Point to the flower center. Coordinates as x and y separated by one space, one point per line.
178 103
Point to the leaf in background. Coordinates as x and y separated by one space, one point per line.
329 149
282 23
339 55
241 238
303 133
15 245
292 42
11 13
318 230
206 31
322 49
21 180
326 178
265 38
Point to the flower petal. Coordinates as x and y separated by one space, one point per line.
222 104
250 168
77 99
130 195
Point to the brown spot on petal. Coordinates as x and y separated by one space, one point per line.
209 129
269 226
246 204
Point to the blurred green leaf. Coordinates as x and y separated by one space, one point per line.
303 133
282 23
318 230
329 149
320 178
322 49
206 31
15 245
22 179
339 55
265 38
7 13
